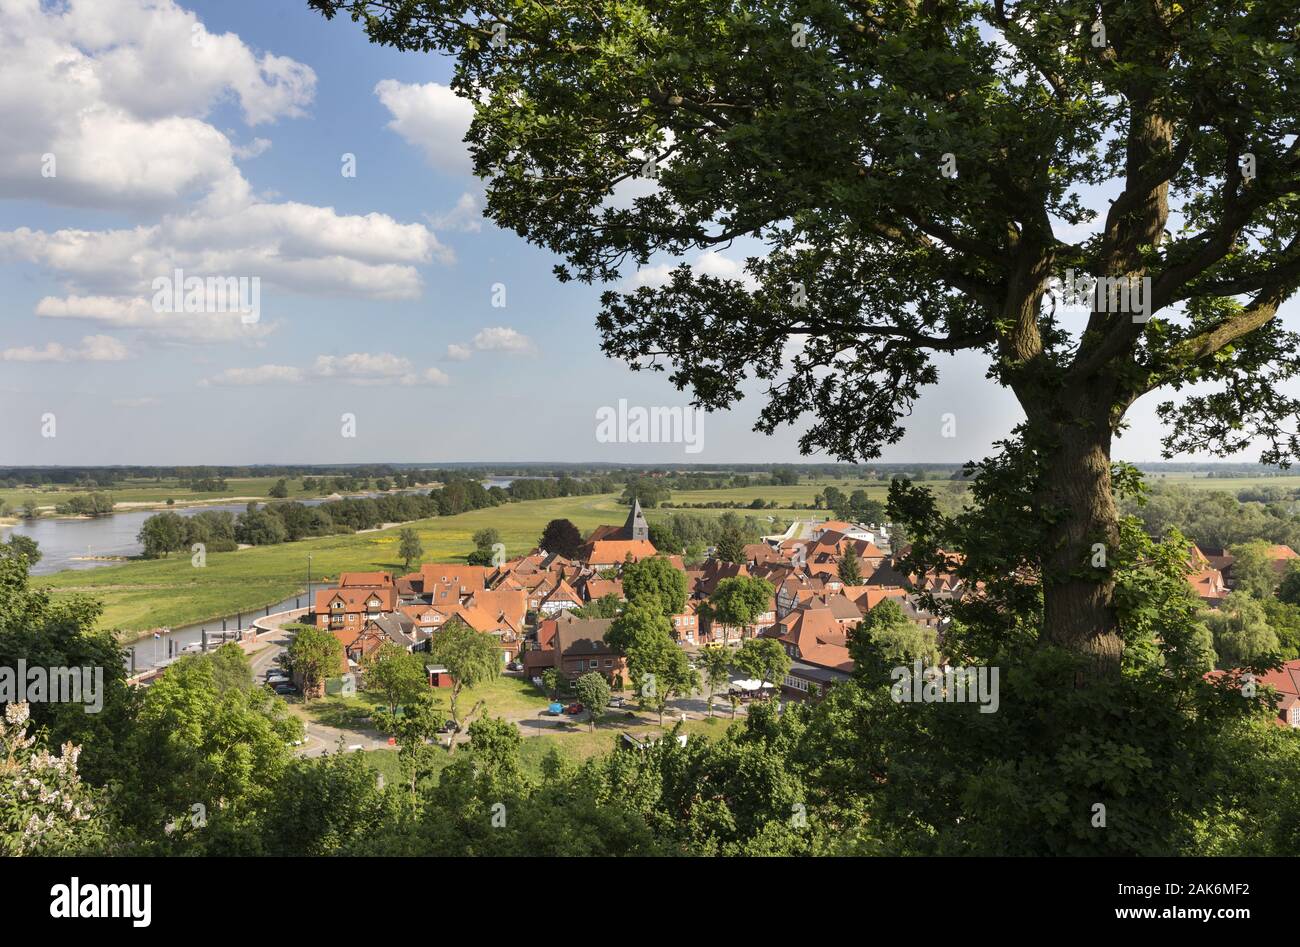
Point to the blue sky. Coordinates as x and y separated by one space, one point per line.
226 156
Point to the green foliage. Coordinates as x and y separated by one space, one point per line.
1252 570
886 639
470 657
329 805
1289 589
655 582
551 681
849 571
409 547
396 673
62 633
763 659
664 539
651 491
200 746
593 691
1242 636
730 546
20 545
561 538
740 600
45 808
717 661
657 665
607 606
416 728
316 655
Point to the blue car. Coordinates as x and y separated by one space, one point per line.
555 709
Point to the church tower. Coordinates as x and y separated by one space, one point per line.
636 526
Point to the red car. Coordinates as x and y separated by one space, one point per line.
574 708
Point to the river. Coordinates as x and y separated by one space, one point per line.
72 542
165 647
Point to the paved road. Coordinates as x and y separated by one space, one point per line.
320 738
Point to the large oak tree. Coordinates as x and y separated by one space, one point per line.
1145 140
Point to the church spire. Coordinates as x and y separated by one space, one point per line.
636 526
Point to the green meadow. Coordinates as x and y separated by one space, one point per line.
802 492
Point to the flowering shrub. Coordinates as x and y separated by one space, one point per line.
45 809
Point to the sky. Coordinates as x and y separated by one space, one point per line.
394 323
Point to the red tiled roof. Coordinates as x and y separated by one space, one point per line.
616 550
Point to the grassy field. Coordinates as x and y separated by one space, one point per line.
802 492
506 696
578 744
1226 484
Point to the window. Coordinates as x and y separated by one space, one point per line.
1295 716
595 663
609 662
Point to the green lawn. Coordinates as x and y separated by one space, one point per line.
576 744
506 696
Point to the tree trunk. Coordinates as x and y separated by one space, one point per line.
1082 542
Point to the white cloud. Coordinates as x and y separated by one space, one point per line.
138 314
256 147
294 247
436 376
458 353
358 368
432 118
466 216
708 263
94 348
502 339
117 90
259 375
118 93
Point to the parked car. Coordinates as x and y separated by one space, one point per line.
283 689
574 708
451 726
514 666
617 702
554 709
